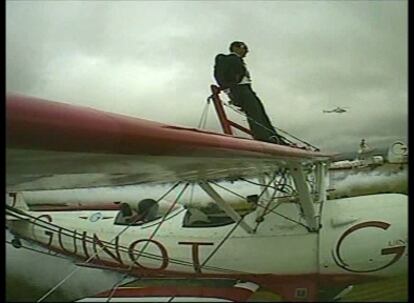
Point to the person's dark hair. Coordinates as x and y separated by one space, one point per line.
148 208
145 205
125 209
236 44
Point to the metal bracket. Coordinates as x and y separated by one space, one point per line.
224 206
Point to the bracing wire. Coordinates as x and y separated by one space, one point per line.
215 250
202 123
271 198
124 249
259 205
227 236
204 115
243 114
140 253
249 118
206 260
269 186
266 186
118 283
93 255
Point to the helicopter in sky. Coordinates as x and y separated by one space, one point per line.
338 110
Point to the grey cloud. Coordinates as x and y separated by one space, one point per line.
154 60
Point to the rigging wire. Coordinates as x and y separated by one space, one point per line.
266 186
274 212
215 250
124 249
270 186
270 199
204 115
93 255
227 236
118 283
202 123
140 253
241 113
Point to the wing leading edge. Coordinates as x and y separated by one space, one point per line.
53 145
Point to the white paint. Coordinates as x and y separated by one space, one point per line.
272 249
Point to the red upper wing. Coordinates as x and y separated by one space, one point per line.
56 145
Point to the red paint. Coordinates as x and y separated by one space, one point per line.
238 126
230 293
195 253
226 124
39 124
218 105
53 207
398 251
48 233
105 247
162 249
75 248
84 245
283 285
288 286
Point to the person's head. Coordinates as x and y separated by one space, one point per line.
148 208
240 48
126 209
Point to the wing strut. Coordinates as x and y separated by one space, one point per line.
305 197
224 206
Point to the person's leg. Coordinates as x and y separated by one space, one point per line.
259 123
236 96
258 120
262 117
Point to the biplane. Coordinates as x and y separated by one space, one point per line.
290 239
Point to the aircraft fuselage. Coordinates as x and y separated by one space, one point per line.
359 238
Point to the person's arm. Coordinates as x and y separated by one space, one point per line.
134 218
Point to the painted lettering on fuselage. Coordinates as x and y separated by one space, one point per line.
395 249
134 258
195 251
94 248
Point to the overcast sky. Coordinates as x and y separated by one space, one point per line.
154 60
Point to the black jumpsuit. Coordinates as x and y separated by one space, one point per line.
243 96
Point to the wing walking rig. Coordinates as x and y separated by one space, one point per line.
53 145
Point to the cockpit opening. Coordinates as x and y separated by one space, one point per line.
145 211
212 216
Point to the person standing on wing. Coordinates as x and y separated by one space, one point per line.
233 77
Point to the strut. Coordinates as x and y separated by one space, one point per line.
224 206
226 124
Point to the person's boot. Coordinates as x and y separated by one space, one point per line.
282 141
278 140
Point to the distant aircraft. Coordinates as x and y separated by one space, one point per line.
338 110
370 171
